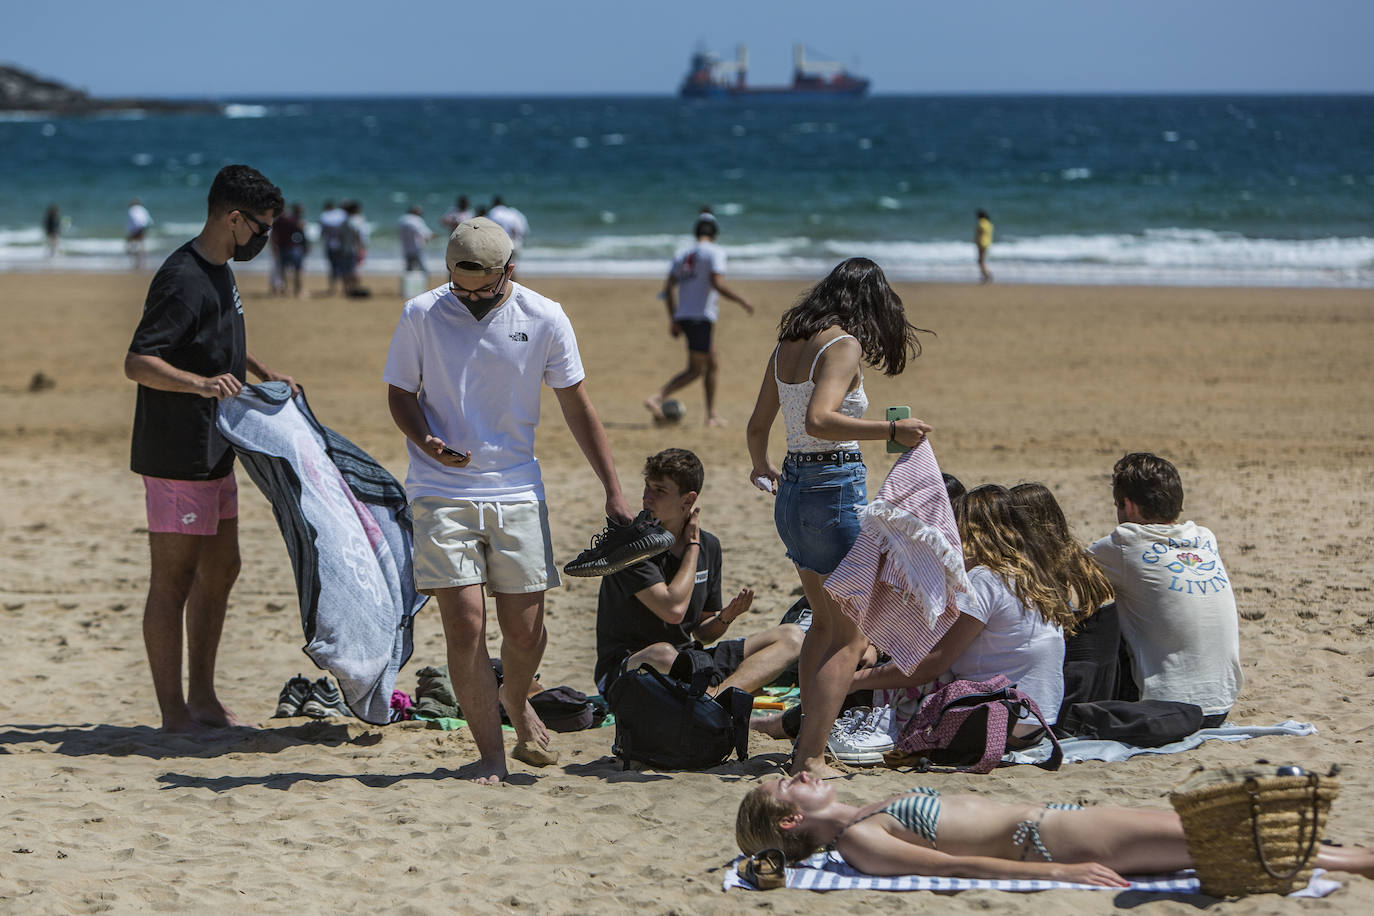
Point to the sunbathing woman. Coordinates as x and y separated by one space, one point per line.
971 836
1011 624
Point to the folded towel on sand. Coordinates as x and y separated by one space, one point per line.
827 871
1077 750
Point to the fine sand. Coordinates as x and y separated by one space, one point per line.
1261 397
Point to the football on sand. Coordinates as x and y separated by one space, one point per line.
673 411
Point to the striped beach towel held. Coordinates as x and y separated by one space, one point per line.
899 580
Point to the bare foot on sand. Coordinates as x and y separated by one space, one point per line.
529 728
482 773
654 404
715 421
216 715
816 766
185 726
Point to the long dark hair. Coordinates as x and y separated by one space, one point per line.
1068 563
857 297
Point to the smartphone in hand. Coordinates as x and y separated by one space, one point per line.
897 413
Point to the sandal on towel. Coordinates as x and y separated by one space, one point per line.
765 870
535 755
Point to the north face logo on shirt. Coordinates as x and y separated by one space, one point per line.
520 335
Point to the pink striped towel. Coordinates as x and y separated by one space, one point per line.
899 580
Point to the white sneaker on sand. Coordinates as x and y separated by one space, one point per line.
865 739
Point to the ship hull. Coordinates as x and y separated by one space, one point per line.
776 92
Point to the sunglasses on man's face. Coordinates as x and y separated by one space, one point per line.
481 291
259 227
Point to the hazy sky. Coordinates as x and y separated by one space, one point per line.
442 47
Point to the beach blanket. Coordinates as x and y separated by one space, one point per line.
1077 750
828 871
347 529
899 580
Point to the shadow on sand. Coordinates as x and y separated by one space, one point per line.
85 739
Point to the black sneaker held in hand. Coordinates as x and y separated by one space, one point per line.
619 546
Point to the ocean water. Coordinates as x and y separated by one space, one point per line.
1240 190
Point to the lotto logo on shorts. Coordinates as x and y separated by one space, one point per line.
189 518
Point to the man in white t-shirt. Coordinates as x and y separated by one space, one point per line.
692 292
511 220
1173 595
464 372
414 234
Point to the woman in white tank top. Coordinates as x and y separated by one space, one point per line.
815 378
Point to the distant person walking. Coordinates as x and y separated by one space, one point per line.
52 228
692 313
187 354
289 247
136 230
414 234
332 219
460 212
982 237
511 220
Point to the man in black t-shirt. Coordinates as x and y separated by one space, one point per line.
649 612
187 353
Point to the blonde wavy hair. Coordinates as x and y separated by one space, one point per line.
992 537
757 827
1069 563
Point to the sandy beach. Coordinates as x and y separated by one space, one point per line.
1261 397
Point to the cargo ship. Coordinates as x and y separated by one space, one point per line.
713 78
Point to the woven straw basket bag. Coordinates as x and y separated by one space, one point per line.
1251 830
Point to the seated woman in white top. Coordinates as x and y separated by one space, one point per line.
1013 621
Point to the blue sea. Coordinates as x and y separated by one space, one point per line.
1211 190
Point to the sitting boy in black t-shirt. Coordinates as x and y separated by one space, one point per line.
649 612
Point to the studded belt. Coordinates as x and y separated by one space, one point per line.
835 457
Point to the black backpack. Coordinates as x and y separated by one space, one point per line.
672 724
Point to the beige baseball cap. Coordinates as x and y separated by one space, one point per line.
477 248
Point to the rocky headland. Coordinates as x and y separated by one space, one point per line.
21 90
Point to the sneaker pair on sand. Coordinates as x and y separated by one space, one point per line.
319 699
861 736
619 546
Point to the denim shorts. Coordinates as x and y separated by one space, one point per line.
817 512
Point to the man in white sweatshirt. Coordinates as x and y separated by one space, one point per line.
1174 596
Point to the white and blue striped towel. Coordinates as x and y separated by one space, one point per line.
827 871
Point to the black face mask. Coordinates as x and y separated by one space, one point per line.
256 240
250 249
479 306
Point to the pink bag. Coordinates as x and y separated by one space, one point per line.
965 725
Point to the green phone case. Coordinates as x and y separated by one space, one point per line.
897 413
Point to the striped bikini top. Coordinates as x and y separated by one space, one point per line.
794 397
918 811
